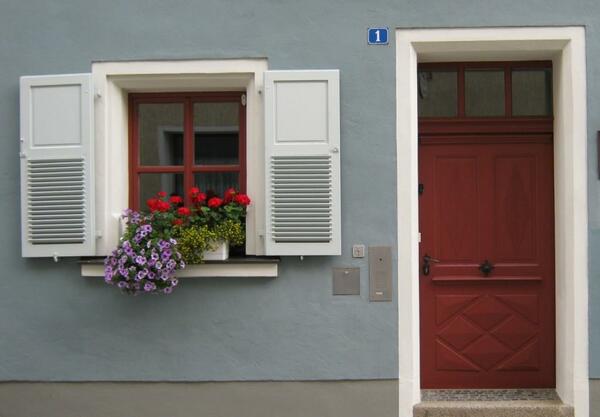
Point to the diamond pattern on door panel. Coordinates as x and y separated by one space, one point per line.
527 359
448 360
515 332
487 313
489 331
459 333
486 352
526 305
447 306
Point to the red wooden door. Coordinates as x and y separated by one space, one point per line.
487 197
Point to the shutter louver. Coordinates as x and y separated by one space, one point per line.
302 152
57 166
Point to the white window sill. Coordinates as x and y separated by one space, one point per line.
249 266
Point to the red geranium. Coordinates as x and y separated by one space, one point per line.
175 199
161 194
228 195
196 196
242 199
199 198
215 202
154 204
162 206
184 211
177 222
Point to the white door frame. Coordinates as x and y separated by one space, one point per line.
565 46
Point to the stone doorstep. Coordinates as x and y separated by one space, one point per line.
523 408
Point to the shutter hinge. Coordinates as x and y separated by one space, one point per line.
421 189
243 100
21 153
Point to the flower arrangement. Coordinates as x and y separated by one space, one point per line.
158 243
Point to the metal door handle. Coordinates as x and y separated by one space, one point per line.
427 263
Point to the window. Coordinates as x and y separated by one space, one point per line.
180 140
501 90
273 134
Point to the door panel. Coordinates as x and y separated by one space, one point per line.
487 199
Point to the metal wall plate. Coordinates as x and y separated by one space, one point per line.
346 281
380 273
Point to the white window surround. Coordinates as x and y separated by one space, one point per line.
565 46
114 80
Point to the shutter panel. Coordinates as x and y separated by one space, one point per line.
302 143
57 183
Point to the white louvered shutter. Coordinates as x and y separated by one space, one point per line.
302 143
57 183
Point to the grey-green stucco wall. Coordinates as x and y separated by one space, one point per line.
58 326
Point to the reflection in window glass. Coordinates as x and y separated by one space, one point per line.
160 127
150 184
532 92
484 93
215 183
438 92
216 137
213 148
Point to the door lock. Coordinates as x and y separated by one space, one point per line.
427 263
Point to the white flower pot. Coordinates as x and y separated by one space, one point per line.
219 251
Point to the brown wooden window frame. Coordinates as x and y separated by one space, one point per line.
493 124
189 167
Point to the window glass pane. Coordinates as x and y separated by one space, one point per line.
215 183
150 184
484 93
160 127
216 138
438 94
532 92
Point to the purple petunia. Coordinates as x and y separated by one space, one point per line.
141 264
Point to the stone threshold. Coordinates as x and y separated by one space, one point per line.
492 403
523 408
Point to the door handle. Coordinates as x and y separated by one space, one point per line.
486 268
427 263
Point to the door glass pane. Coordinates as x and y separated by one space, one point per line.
484 93
438 92
160 127
150 184
215 183
532 92
216 137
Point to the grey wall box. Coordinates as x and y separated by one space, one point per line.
380 273
346 281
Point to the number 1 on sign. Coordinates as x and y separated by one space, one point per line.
377 36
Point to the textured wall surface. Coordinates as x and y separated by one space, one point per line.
594 398
214 399
56 325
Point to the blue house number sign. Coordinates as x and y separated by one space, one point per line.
377 36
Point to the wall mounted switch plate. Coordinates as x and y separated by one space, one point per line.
358 251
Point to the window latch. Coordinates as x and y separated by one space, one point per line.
243 99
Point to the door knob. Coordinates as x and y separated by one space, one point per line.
486 268
427 263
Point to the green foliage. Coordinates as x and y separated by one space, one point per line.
193 241
231 231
